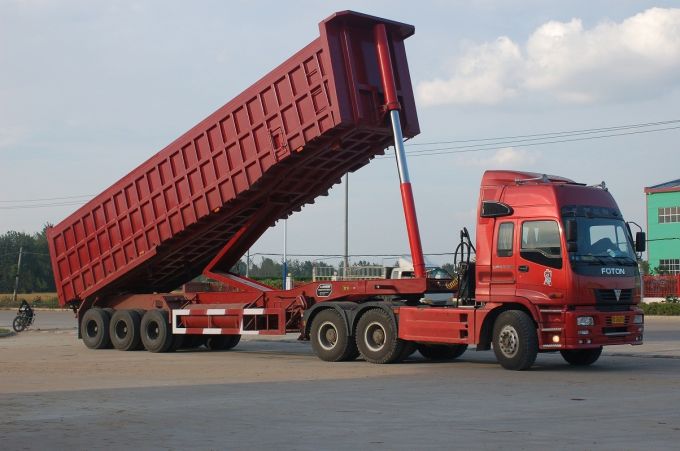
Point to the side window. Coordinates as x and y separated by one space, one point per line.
541 243
506 231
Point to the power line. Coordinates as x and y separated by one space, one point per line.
46 198
275 254
57 204
550 134
502 145
481 145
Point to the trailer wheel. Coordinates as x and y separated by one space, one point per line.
441 352
125 331
377 338
514 340
329 337
581 357
156 334
222 342
94 328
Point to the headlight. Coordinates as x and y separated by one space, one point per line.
585 321
638 319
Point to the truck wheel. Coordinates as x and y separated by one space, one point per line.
377 337
156 334
125 331
581 357
329 337
514 340
94 328
441 352
222 342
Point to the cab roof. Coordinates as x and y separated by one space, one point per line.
501 177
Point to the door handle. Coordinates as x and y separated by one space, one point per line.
523 268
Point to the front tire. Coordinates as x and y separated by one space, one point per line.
156 334
581 357
377 338
19 324
94 328
514 340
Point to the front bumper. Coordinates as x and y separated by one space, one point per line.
560 331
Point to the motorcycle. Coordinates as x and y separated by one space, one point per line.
25 317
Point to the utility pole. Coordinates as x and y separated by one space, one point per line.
285 252
248 263
346 268
16 281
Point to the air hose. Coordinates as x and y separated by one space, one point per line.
461 261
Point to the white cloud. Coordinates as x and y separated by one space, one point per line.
637 57
506 158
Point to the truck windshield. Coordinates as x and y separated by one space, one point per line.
603 240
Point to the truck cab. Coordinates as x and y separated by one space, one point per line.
561 250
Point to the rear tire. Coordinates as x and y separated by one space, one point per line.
441 352
329 337
377 337
581 357
125 330
156 334
514 340
94 328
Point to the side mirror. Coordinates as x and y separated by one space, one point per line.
640 242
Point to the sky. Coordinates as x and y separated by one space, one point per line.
89 90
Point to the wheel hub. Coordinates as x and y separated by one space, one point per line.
375 336
328 336
508 341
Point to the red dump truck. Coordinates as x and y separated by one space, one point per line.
555 266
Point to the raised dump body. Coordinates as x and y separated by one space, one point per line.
274 148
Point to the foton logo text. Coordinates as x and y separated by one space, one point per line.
614 271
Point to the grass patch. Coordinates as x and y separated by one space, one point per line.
661 308
39 300
4 331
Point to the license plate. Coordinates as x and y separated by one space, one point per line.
619 319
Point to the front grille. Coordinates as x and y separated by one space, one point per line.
609 296
612 308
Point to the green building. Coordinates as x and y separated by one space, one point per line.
663 226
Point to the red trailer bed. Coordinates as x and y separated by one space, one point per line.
274 148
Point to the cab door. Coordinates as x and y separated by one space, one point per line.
541 269
503 260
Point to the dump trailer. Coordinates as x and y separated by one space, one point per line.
538 283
